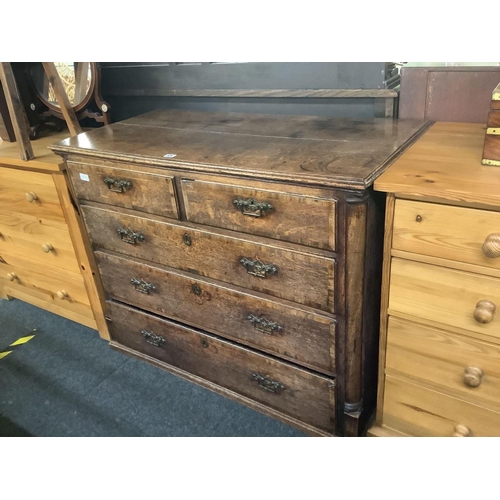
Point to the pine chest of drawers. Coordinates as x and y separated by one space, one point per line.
243 252
440 335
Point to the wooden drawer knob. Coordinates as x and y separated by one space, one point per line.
472 376
491 246
461 431
31 196
47 247
62 294
484 312
12 276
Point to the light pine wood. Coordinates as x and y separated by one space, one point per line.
377 431
418 411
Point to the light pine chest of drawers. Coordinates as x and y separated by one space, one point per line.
440 327
243 252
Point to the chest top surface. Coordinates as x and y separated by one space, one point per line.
335 152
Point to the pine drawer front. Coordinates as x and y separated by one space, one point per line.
31 195
38 242
283 330
298 218
418 411
454 233
292 275
457 365
293 391
150 193
452 298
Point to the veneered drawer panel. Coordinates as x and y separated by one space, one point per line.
446 296
418 411
299 218
448 232
15 185
294 334
455 364
293 275
291 390
144 191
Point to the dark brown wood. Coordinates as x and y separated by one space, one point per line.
6 128
279 385
494 118
308 220
332 152
303 336
491 152
16 111
491 149
301 277
151 193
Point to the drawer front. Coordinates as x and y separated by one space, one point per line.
458 365
36 241
151 193
418 411
283 387
296 276
31 195
454 233
285 331
308 220
446 296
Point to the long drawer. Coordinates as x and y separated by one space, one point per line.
284 330
455 364
299 218
147 192
418 411
288 389
293 275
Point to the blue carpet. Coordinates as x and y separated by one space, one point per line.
66 381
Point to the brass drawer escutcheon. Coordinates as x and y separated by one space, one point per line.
258 268
130 237
264 325
268 384
153 339
252 207
117 185
142 286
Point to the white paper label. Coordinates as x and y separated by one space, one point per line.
169 155
84 177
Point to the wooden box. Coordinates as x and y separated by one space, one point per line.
491 151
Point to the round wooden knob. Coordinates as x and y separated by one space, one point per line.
62 294
491 246
47 247
472 376
12 276
461 431
484 311
31 196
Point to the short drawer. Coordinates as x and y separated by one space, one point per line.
286 331
418 411
31 195
293 275
308 220
457 365
454 233
151 193
293 391
452 298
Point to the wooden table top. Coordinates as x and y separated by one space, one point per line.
445 163
335 152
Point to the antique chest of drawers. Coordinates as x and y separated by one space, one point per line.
440 335
243 252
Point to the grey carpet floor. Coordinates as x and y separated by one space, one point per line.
66 381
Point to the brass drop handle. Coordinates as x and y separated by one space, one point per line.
62 294
461 431
484 311
31 196
491 246
472 376
47 247
12 276
252 207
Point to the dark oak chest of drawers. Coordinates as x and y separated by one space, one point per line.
243 252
